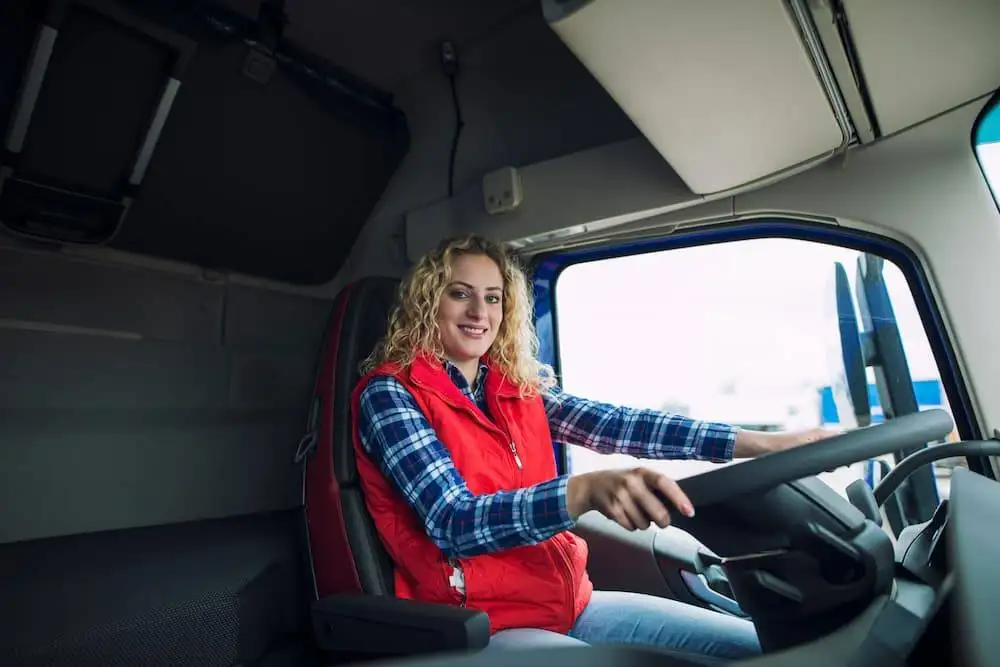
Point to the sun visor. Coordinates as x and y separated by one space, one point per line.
726 91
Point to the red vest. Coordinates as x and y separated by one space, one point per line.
540 586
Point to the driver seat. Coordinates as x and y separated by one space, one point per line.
355 609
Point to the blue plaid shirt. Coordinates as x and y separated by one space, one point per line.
399 439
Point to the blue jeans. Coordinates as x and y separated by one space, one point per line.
614 617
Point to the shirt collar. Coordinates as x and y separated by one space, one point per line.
459 379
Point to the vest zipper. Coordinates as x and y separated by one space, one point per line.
517 459
498 411
472 410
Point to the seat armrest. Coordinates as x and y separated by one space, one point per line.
376 624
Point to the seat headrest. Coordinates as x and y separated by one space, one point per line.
363 312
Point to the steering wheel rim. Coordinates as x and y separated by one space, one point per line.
771 470
892 481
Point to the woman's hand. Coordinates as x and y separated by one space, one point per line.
627 497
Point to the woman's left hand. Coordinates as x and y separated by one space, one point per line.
750 444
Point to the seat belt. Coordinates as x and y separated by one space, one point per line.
303 452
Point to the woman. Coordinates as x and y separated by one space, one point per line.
455 421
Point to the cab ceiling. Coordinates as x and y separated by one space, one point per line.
387 42
193 131
728 91
725 91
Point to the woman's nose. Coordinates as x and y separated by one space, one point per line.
476 308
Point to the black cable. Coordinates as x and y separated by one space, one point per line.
449 60
459 124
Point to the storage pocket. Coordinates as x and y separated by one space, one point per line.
455 573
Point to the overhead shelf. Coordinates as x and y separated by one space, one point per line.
726 91
921 58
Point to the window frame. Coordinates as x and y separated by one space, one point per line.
546 268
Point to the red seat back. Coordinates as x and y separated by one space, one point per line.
347 555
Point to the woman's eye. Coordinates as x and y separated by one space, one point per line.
457 294
493 299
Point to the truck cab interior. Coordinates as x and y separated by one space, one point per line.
206 208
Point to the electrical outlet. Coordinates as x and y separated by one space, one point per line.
502 191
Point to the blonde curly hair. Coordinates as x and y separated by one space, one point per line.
413 329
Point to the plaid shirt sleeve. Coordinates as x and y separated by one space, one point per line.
648 434
399 439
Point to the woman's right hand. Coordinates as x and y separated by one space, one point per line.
627 497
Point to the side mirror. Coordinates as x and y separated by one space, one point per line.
883 351
848 358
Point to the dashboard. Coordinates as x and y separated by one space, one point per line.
949 619
974 553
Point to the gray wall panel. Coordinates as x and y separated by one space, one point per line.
192 419
259 318
54 370
77 471
46 288
272 379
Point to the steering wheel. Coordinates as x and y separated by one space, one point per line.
905 468
771 470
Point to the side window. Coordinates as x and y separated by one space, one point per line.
743 332
986 138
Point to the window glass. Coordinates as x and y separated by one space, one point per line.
739 332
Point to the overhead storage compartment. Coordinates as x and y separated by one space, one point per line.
96 91
181 129
920 58
726 91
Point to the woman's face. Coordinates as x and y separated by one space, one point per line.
471 308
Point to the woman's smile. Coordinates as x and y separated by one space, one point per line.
473 331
